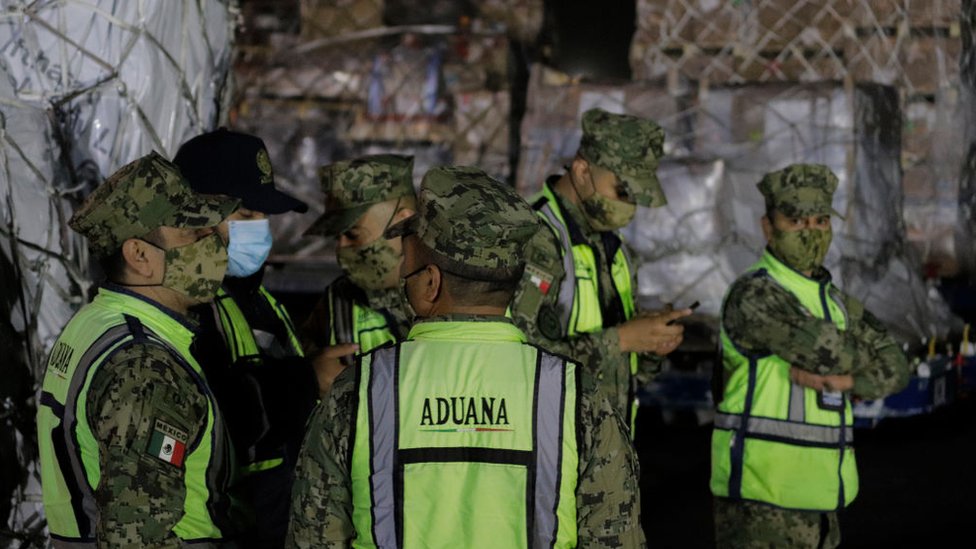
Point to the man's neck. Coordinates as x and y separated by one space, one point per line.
245 284
564 188
484 310
448 307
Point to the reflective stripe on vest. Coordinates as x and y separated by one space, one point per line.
579 291
80 524
774 441
237 332
529 458
68 448
352 323
758 427
579 296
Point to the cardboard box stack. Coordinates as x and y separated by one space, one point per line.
346 85
331 18
914 46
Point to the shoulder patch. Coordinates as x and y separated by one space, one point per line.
167 443
548 323
539 278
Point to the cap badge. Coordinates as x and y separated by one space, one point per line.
264 164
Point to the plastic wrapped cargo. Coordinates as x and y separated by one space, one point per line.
85 87
918 48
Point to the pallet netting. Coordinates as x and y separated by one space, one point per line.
522 19
916 46
85 87
367 76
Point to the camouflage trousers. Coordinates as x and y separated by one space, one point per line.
744 524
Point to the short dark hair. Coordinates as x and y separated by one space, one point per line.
113 265
473 285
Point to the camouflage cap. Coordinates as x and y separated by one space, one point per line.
800 190
468 217
141 196
628 146
352 186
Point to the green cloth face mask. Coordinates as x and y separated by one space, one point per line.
371 267
803 250
194 270
602 213
411 313
605 214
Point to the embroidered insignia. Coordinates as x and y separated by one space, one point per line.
167 443
540 279
264 164
548 322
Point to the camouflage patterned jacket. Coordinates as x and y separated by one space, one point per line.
761 316
536 308
607 498
141 496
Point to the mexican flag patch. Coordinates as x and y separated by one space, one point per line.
167 443
540 279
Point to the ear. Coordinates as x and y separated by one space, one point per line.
223 229
435 285
580 168
137 257
402 214
767 227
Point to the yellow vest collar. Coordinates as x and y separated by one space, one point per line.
467 328
170 325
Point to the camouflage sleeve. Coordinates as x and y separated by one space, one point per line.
760 316
321 506
608 495
648 366
882 368
536 310
135 394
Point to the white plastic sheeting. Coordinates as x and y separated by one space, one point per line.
85 87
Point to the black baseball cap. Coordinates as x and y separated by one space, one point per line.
237 165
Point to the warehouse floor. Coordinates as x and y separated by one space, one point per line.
918 481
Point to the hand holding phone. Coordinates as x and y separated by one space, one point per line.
693 306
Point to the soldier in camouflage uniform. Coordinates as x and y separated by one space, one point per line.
134 451
578 294
362 309
795 350
464 435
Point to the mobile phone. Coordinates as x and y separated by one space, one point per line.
693 306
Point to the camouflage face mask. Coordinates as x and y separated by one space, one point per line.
803 250
371 267
605 214
196 270
411 313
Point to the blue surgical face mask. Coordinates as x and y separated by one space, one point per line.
250 244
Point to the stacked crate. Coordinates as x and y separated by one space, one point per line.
913 45
330 18
355 77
